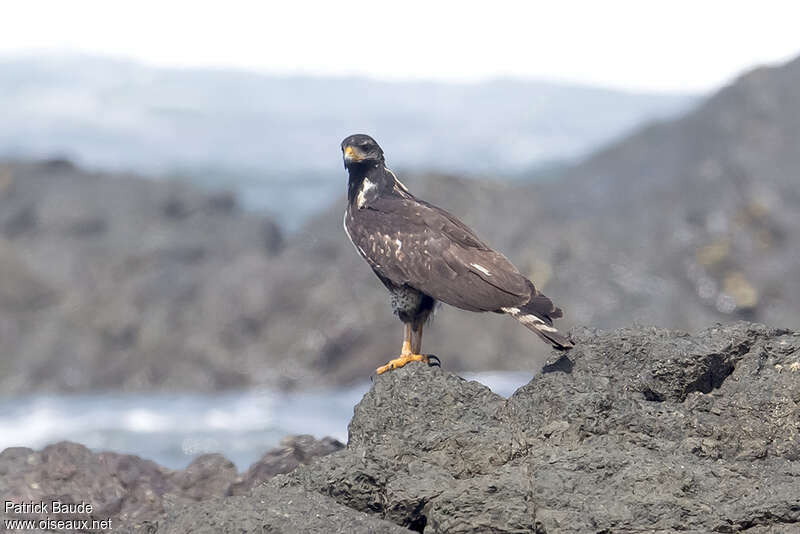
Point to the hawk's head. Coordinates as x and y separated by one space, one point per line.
360 149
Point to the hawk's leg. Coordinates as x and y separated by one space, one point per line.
412 345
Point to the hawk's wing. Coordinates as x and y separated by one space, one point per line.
411 242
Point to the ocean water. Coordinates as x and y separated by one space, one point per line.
172 429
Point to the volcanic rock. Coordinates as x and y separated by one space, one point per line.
635 430
638 429
135 492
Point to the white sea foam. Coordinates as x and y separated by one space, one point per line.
173 428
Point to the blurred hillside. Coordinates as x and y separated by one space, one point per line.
110 281
270 138
115 282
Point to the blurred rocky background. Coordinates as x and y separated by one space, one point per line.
116 282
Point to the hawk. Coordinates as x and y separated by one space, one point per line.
423 254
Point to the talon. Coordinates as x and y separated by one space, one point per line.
397 363
432 363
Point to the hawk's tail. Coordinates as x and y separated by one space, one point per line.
537 315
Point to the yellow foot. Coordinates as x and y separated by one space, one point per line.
401 361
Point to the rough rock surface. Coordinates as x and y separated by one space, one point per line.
278 510
294 451
639 429
635 430
136 492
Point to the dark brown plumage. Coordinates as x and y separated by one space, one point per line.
424 254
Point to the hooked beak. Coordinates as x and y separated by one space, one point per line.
350 155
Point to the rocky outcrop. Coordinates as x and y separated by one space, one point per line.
135 492
270 509
635 430
638 429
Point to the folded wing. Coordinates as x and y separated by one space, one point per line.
411 242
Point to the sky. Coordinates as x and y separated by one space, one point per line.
674 46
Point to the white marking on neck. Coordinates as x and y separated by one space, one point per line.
361 199
482 269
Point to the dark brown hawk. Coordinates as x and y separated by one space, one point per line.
424 254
